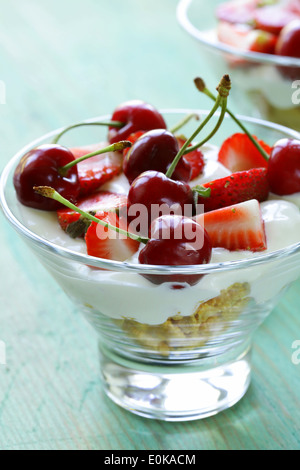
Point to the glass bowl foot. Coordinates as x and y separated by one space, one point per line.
177 392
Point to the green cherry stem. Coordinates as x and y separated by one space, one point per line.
117 147
50 193
116 124
223 90
214 131
184 121
200 84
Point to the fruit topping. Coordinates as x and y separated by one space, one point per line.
236 227
42 166
274 18
155 150
136 116
289 45
106 243
238 153
237 11
176 241
97 170
284 167
102 201
247 39
257 26
153 194
194 158
238 187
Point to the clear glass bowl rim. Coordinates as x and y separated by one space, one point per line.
183 19
124 266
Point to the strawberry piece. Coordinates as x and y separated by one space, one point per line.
247 39
274 18
238 153
195 159
237 227
294 6
238 187
100 201
237 11
108 244
133 138
96 171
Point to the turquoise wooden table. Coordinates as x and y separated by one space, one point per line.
62 62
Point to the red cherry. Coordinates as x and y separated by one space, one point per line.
176 241
40 167
137 116
284 167
155 150
153 194
289 45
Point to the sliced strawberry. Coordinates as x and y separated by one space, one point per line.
108 244
274 18
238 153
96 171
294 6
133 138
247 39
237 11
238 187
237 227
100 201
195 159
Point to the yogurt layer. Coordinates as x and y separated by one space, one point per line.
129 295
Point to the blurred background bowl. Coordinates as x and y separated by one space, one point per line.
260 84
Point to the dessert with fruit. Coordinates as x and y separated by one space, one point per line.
270 30
153 197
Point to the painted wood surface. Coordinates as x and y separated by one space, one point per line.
62 62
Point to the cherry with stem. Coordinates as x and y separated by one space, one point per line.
52 165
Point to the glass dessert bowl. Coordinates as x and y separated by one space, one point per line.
167 353
264 86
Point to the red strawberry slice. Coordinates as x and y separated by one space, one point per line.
238 153
237 227
195 159
96 171
247 39
133 138
238 187
237 11
108 244
274 18
294 6
100 201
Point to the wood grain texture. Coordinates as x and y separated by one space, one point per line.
63 62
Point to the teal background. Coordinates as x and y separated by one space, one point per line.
62 62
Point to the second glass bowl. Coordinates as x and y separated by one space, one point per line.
260 86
